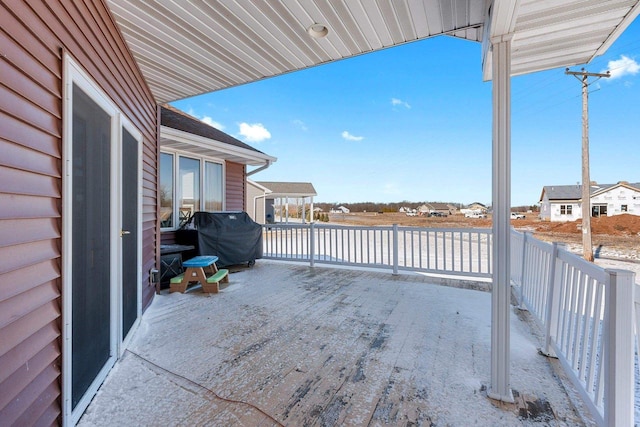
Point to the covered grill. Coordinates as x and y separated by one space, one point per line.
232 236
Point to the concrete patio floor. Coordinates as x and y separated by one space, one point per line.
291 345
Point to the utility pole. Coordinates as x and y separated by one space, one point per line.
587 247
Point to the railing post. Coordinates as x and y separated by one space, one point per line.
522 268
312 244
553 301
395 249
618 349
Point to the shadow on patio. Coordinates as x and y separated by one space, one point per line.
291 345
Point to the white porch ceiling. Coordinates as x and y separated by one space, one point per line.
186 48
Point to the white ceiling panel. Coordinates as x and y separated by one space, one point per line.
189 47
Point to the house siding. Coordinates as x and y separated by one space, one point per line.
255 207
33 37
616 197
235 186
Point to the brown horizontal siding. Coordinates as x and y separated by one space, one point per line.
33 37
14 206
16 181
24 279
168 237
235 182
21 378
28 230
39 66
40 394
13 155
22 133
46 100
20 106
23 304
13 360
15 332
28 254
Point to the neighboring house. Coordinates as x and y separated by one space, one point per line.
478 207
442 208
268 202
201 169
561 203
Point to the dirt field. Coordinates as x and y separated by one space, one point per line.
617 236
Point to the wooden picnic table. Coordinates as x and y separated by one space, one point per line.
201 269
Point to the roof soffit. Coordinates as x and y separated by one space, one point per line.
188 48
560 33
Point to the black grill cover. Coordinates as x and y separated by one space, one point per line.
232 236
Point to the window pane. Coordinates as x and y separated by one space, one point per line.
189 188
213 187
166 190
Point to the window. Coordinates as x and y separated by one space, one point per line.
166 190
188 184
213 193
566 209
624 208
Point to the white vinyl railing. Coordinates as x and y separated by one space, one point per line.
587 313
462 252
588 316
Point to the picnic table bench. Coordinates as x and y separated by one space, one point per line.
201 269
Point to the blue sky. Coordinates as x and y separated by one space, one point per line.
413 123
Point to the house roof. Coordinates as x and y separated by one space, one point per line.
437 206
574 192
181 131
290 189
185 49
441 206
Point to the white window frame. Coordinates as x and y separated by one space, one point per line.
177 154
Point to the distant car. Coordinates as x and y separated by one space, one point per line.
474 215
516 215
437 214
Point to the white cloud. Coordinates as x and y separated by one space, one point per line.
301 125
254 132
622 67
208 120
346 135
396 101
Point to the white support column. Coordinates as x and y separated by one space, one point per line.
286 209
311 212
500 387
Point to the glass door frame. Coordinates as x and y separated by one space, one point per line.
73 74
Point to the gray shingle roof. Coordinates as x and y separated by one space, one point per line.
574 192
176 119
293 189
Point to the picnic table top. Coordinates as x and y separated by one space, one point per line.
200 261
